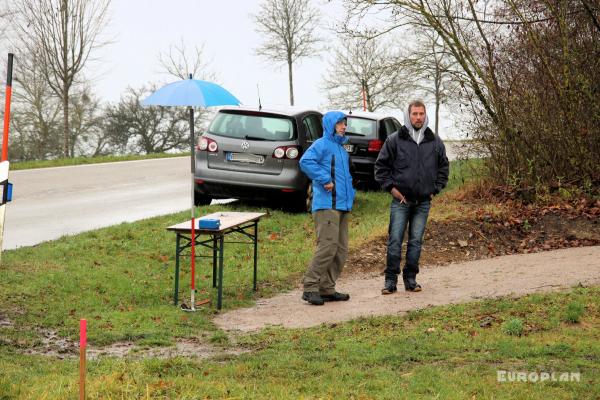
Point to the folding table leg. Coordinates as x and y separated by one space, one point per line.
214 273
220 289
255 251
176 294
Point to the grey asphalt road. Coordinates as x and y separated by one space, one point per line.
49 203
52 202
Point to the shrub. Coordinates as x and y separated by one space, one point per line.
513 327
574 312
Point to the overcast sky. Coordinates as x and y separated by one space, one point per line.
141 29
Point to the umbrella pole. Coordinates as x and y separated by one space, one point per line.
193 209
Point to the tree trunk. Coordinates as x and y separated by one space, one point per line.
437 82
438 95
291 79
65 102
65 83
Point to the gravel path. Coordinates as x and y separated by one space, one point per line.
513 275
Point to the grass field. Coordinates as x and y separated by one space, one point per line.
120 279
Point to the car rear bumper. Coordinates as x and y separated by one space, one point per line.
227 190
364 168
248 185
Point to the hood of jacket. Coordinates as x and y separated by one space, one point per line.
329 120
416 134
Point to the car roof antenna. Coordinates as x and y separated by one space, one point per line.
258 90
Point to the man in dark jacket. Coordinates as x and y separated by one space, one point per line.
412 166
327 164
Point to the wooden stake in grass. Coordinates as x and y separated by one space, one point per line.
82 346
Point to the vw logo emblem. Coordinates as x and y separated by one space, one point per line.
245 145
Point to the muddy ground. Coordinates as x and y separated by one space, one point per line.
523 230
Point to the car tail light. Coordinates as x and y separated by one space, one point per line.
289 152
292 153
205 144
375 145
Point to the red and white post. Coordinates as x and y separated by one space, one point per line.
82 357
4 164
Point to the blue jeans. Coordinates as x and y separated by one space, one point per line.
413 214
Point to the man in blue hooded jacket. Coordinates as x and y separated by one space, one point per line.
327 164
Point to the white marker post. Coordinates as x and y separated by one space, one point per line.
6 187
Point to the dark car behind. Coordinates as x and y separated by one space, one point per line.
367 133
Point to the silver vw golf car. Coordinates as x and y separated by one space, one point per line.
251 153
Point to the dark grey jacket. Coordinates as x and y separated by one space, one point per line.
417 171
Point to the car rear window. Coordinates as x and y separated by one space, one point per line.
253 126
361 127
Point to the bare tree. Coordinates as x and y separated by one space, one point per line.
37 118
431 65
36 112
6 13
180 62
86 121
369 66
289 29
65 32
136 129
528 72
460 27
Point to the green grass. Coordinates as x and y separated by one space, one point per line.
463 171
513 327
63 162
441 352
574 312
120 279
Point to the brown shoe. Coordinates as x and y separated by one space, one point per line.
410 283
389 287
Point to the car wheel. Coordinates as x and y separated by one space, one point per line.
201 199
302 202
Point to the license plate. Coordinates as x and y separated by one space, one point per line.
349 148
246 158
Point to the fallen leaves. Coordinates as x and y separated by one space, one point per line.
511 228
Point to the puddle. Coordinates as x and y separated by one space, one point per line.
182 348
54 346
5 322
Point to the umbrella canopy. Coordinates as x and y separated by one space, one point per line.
191 92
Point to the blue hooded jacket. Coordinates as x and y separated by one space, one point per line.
327 161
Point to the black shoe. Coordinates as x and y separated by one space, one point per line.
410 283
337 296
389 287
313 298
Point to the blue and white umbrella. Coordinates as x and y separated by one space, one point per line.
191 93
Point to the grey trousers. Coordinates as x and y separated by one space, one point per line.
332 250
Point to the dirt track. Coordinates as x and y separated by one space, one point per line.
513 275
